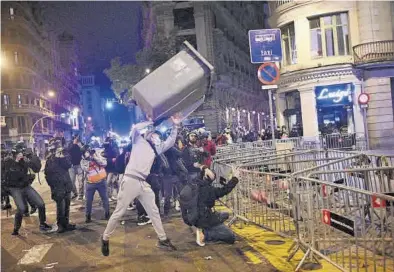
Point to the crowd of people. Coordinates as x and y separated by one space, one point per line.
242 135
153 168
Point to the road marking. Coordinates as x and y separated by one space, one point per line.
35 254
252 257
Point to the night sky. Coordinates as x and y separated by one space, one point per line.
103 30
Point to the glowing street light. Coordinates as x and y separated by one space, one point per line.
89 118
147 70
51 93
109 105
75 111
3 62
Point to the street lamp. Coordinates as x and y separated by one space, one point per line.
109 105
51 93
89 118
147 70
63 115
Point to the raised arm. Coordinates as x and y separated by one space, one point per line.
169 142
136 128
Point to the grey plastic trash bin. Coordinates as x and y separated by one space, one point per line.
177 84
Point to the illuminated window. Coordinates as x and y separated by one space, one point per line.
16 57
289 45
19 100
330 35
12 13
6 99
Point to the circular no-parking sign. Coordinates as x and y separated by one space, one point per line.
268 73
363 98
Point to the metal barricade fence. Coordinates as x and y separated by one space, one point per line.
348 141
351 228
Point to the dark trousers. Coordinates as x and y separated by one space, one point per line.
63 210
220 233
20 196
91 189
154 182
168 183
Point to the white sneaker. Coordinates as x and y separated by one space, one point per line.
200 237
177 206
110 200
114 198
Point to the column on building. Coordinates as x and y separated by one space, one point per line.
204 26
380 109
357 111
280 100
309 113
379 27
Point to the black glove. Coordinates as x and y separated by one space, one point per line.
234 180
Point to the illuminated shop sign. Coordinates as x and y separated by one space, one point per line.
338 94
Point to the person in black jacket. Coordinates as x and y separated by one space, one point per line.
174 156
18 181
57 176
210 227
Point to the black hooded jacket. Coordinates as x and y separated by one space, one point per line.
57 176
207 195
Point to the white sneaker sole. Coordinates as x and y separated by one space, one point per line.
145 223
198 239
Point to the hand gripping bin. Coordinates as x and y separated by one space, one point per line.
174 86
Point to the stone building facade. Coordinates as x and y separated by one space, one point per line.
331 54
38 82
219 31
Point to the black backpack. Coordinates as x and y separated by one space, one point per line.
189 203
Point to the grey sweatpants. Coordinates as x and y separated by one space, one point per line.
129 189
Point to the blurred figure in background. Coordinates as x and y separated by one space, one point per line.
94 166
209 147
76 173
111 151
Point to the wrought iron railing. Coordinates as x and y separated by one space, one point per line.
374 52
30 107
275 4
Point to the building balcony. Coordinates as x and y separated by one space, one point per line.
276 4
373 52
25 109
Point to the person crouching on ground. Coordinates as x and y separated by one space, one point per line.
210 224
134 185
57 176
94 166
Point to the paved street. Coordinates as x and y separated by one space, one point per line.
132 247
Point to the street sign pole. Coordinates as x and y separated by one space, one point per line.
271 117
364 107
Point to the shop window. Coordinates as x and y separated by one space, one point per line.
22 124
330 35
184 18
9 122
289 45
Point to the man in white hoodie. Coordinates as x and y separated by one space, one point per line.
134 185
